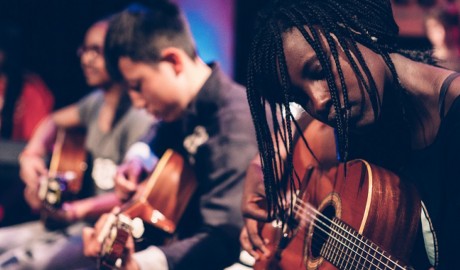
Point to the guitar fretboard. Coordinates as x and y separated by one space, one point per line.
346 249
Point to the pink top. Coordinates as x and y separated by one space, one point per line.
36 102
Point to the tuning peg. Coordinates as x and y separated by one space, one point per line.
137 227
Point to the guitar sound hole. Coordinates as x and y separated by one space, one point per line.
321 229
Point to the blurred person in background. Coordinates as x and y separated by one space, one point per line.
442 27
112 125
24 101
205 119
24 97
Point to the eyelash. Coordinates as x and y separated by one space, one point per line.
318 75
136 87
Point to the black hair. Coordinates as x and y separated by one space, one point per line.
140 32
347 22
12 68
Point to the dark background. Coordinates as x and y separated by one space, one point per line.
53 29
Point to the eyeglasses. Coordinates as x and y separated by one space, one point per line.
92 51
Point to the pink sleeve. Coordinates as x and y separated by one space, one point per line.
35 103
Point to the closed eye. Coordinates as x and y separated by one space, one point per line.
313 72
135 86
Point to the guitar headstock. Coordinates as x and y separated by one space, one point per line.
113 238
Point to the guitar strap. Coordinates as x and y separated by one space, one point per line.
442 95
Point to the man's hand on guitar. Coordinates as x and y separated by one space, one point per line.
93 238
254 210
127 178
129 262
91 244
32 167
32 199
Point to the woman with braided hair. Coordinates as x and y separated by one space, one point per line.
340 60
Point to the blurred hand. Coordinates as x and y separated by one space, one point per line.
254 210
127 177
129 262
92 243
32 167
31 197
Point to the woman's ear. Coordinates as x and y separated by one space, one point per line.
175 57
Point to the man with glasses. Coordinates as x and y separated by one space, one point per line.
112 125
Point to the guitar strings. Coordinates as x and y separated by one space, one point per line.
358 261
306 207
326 218
355 263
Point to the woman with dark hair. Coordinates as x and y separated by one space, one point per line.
24 97
340 61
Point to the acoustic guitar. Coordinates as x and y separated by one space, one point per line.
65 175
356 216
352 215
160 203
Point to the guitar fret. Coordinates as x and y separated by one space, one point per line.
333 249
383 260
352 253
326 249
337 249
329 249
344 248
370 255
366 264
375 261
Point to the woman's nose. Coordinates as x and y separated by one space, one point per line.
322 105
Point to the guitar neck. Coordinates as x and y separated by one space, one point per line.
347 249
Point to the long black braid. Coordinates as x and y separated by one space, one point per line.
346 22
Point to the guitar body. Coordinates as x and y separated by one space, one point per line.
163 198
159 203
370 208
66 173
